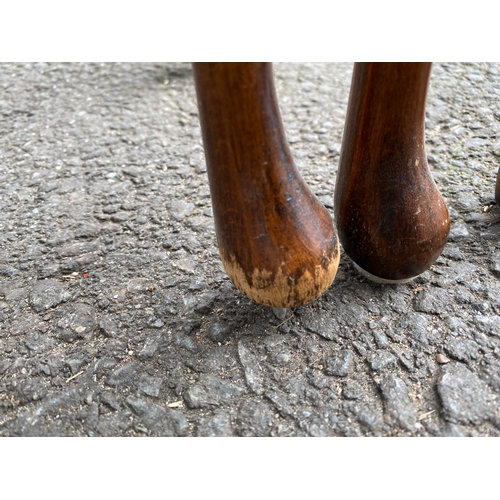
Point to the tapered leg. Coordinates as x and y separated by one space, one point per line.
278 244
392 220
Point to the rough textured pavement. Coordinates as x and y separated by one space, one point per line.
117 319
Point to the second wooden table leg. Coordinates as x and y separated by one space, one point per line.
392 220
278 244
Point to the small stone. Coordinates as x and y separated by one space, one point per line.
370 417
124 375
433 301
380 339
205 302
76 249
252 367
340 365
212 391
78 321
110 400
327 201
218 425
165 421
33 389
352 390
280 312
453 252
75 360
488 324
442 359
458 232
156 323
415 326
87 231
8 271
4 365
381 360
466 202
397 404
139 285
120 217
218 331
48 270
255 419
179 210
150 385
461 349
465 398
495 263
150 347
108 326
318 323
196 285
46 294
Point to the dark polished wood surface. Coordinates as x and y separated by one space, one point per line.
278 244
391 218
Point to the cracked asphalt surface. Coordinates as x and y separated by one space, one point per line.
116 316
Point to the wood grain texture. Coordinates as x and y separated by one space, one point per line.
278 244
392 220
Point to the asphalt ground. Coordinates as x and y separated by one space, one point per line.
117 318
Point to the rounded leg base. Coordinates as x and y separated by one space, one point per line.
376 279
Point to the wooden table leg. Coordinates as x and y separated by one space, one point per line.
278 244
392 220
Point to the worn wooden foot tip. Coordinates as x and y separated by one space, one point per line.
294 283
278 244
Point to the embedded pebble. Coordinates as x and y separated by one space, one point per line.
352 390
381 360
461 349
458 232
370 417
150 347
179 210
32 390
168 422
78 321
318 323
434 301
253 371
380 339
218 425
211 391
255 419
150 385
340 365
280 312
442 359
46 294
108 326
124 375
465 397
414 325
218 331
397 404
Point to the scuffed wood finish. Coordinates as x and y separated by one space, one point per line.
278 244
392 220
